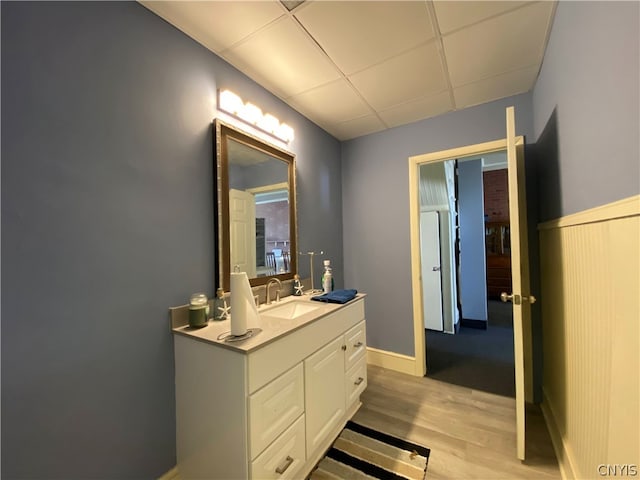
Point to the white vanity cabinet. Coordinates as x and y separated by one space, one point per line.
269 410
330 386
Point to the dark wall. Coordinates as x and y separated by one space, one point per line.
586 105
586 120
496 195
107 220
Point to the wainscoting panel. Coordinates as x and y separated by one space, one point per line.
590 269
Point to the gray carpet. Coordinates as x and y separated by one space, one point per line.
478 359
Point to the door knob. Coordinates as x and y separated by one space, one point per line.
505 297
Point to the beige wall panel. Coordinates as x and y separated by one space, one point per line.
624 443
590 312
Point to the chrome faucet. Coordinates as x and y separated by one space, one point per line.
276 280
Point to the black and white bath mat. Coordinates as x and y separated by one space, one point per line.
363 453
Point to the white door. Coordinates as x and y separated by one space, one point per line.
520 295
431 278
242 231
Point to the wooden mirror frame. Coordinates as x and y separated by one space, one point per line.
223 132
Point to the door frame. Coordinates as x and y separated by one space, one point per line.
420 357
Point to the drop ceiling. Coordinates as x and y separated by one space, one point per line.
358 67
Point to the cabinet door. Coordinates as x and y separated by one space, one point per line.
324 392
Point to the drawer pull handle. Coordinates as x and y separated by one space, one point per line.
359 381
358 345
287 463
344 348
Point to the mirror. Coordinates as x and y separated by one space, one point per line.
255 203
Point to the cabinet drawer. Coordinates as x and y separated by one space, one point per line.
356 343
356 381
284 457
274 407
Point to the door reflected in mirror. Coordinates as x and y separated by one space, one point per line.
256 208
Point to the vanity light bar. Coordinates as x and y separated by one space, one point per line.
232 104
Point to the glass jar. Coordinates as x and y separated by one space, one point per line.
198 310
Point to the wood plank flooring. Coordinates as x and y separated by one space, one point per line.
471 433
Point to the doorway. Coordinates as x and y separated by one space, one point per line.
470 151
474 347
520 295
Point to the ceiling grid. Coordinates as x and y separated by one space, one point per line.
358 67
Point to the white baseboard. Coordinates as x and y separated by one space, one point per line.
562 454
392 361
171 474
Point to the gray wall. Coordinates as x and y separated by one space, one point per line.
473 264
586 122
107 220
587 98
375 186
268 173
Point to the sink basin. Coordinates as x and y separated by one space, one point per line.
291 310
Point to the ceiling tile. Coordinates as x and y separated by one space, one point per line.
357 35
417 109
501 44
414 74
386 49
454 15
512 83
292 4
282 58
336 101
356 127
217 25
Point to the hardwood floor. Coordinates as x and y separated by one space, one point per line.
471 433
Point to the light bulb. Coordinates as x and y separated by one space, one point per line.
285 132
251 113
230 102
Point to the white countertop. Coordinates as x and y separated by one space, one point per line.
272 327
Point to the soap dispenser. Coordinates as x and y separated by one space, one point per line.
327 277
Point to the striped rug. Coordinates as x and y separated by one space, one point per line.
362 453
